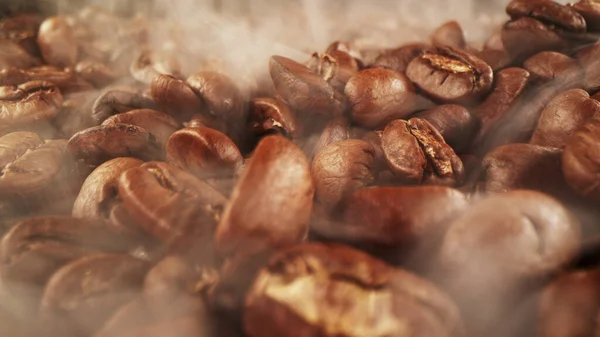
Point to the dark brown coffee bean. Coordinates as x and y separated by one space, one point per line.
275 188
549 66
341 168
57 42
526 36
378 96
454 123
581 159
14 56
569 306
118 100
417 153
524 166
204 152
160 125
272 116
451 75
590 10
399 58
406 302
83 294
548 12
174 96
337 130
28 104
450 34
563 116
170 204
510 84
305 91
147 65
497 59
101 143
95 72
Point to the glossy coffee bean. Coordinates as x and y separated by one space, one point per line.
454 122
341 168
159 124
549 12
204 152
28 103
174 96
590 10
580 159
496 59
14 56
450 34
271 203
305 91
57 42
525 37
272 116
550 66
399 58
337 271
118 100
563 116
447 75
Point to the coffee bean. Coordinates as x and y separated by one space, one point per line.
378 96
454 123
272 116
496 59
22 29
451 75
95 72
271 203
579 160
563 116
305 91
550 66
590 10
549 12
160 125
526 36
119 100
28 103
399 58
336 67
57 42
337 130
587 58
14 56
450 34
341 270
174 96
147 65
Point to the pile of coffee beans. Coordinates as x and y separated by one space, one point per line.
439 189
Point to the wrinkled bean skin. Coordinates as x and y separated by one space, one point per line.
159 124
590 10
204 152
569 306
454 122
581 159
525 37
449 34
563 116
98 144
271 204
57 42
13 56
82 295
351 277
399 58
305 91
174 96
502 247
119 100
170 204
341 168
270 115
28 103
378 96
451 75
549 12
549 66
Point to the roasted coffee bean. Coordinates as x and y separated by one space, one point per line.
454 122
170 204
271 204
59 77
494 42
563 116
510 84
410 304
590 10
305 91
95 72
272 116
160 125
588 59
118 100
27 104
549 12
204 152
399 58
497 59
378 96
524 166
335 68
57 42
581 159
175 96
501 248
147 65
569 306
526 36
451 75
22 29
14 56
341 168
550 66
95 145
83 294
335 131
449 34
347 47
417 153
